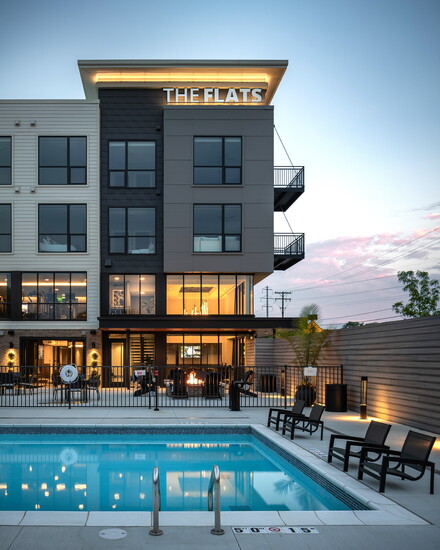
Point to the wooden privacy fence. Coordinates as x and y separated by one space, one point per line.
160 386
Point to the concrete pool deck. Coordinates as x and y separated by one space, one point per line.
406 516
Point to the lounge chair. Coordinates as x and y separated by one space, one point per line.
275 414
375 436
309 423
414 456
7 382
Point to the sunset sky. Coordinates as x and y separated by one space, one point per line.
358 107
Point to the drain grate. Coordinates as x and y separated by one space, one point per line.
112 534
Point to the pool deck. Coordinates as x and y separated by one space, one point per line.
416 523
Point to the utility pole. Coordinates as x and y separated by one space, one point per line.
284 300
267 299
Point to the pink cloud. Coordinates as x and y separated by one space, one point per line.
433 216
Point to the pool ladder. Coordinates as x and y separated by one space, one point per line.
213 501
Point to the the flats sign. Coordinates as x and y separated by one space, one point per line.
214 95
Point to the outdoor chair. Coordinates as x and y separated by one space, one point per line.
93 385
309 423
246 384
275 414
413 456
57 385
211 386
7 381
375 436
179 389
79 386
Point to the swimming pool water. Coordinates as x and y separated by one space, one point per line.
87 472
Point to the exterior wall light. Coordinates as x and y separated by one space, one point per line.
363 397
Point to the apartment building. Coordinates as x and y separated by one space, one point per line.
135 224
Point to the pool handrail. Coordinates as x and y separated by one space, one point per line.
156 531
214 486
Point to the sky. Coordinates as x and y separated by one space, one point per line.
358 107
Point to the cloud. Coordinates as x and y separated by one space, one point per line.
354 278
433 216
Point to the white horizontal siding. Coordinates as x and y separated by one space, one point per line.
62 118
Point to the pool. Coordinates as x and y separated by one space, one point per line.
109 469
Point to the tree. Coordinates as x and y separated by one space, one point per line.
307 339
424 293
352 324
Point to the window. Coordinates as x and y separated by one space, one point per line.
132 295
132 230
62 161
62 228
217 228
48 296
196 294
5 228
217 161
5 295
132 163
5 160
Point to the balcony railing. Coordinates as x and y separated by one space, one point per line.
289 176
288 249
288 186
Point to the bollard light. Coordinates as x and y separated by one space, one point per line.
363 397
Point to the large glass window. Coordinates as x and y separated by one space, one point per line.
5 228
62 161
48 296
132 295
62 228
192 349
5 160
132 163
217 161
132 230
5 295
199 294
217 228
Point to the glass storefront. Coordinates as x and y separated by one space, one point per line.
198 294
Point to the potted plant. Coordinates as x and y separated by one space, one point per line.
307 340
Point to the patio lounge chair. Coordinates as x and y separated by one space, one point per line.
275 414
413 456
375 436
309 423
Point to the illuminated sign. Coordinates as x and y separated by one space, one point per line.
214 95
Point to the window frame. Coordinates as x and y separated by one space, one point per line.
9 165
68 234
68 165
223 166
126 236
240 298
126 171
223 234
9 234
5 305
123 309
54 302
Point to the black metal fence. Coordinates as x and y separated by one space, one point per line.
157 387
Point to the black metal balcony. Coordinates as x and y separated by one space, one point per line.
288 250
288 186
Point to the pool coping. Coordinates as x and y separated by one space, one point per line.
383 511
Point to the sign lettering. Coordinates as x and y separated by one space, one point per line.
213 95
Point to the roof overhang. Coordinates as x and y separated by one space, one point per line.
166 73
